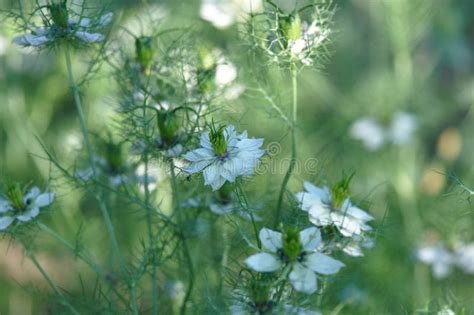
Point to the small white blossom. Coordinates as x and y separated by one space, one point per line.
224 13
305 262
312 37
319 203
235 155
465 257
446 311
29 209
373 135
439 257
80 27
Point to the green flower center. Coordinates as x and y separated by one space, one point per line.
145 52
340 191
59 14
15 195
290 26
218 141
292 248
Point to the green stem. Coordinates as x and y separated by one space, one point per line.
149 218
51 282
98 191
246 206
186 251
291 167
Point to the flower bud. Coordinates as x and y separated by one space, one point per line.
168 125
340 191
145 52
59 14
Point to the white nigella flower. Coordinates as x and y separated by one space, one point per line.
226 73
296 251
224 13
312 36
22 207
439 257
332 207
373 135
224 155
60 25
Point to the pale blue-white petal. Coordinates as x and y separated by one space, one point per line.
303 279
31 40
322 264
89 37
307 200
28 215
31 195
5 222
263 262
347 225
271 239
320 214
322 193
197 166
199 154
212 173
106 19
5 205
205 142
359 214
218 183
44 200
310 238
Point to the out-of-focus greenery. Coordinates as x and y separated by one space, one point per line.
387 56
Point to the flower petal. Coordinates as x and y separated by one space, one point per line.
310 238
359 214
5 222
89 37
44 200
263 262
271 239
303 279
322 193
27 216
4 205
323 264
320 214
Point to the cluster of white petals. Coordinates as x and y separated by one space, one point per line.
242 157
33 201
350 220
443 259
312 36
373 135
303 271
81 27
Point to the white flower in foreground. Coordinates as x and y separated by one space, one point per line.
61 25
22 207
224 155
439 257
332 207
296 251
373 135
224 13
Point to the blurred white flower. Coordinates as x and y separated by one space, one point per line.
402 128
224 155
356 245
224 13
373 135
325 208
15 206
465 257
369 132
225 74
81 28
298 251
446 311
3 46
439 257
